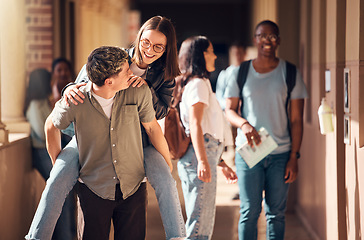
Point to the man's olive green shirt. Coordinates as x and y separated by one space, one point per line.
110 150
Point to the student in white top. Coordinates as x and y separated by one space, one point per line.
203 119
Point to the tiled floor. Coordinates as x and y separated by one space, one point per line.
227 216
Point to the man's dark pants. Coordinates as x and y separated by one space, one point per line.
129 215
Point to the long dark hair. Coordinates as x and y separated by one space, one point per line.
39 86
191 63
169 58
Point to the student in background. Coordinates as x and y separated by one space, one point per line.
204 121
62 74
37 108
264 96
237 53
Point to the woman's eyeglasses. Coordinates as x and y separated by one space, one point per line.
158 48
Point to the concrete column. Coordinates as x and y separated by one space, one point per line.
100 23
13 64
264 10
4 133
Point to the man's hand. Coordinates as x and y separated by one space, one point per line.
156 137
251 134
291 170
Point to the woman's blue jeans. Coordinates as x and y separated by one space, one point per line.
161 179
66 223
64 176
200 196
267 176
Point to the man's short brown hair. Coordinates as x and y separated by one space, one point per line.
104 62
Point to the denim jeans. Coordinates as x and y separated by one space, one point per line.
161 179
267 176
65 173
63 177
200 196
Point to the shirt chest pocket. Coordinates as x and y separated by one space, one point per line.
129 114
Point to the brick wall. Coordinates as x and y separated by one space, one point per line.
39 34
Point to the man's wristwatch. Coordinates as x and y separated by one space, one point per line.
298 155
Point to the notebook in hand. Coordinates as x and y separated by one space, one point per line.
254 155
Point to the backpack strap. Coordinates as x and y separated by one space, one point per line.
291 72
242 75
290 78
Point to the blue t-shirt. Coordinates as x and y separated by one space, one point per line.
264 96
222 82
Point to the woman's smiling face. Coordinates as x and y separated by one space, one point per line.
150 41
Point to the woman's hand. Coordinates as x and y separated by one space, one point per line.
203 171
137 81
251 134
73 94
229 174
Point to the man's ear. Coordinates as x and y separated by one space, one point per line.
108 81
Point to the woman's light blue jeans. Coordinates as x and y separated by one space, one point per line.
267 176
200 196
64 176
66 223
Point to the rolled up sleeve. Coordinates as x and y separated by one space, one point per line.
62 115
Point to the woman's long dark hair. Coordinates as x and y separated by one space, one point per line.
191 63
169 58
39 86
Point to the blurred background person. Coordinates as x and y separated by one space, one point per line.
62 74
237 54
37 108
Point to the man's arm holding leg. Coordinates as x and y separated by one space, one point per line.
53 139
156 136
296 118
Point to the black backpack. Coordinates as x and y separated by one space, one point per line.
290 81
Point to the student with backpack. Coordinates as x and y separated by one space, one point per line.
271 93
